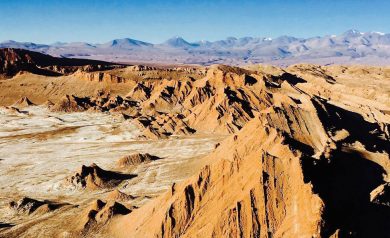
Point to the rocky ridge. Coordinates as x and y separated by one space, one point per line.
306 153
14 61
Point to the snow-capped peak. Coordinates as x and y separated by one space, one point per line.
378 32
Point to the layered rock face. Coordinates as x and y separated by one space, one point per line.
253 187
303 164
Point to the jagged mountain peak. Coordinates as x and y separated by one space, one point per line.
178 41
371 48
352 33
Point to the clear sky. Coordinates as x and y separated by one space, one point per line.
155 21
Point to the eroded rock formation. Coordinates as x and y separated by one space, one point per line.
28 206
306 152
93 177
99 213
135 159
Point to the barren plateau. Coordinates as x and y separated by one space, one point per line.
96 149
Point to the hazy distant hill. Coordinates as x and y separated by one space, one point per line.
351 47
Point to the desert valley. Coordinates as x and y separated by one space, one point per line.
100 149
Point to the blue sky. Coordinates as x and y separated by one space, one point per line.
155 21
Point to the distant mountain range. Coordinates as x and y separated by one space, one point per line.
351 47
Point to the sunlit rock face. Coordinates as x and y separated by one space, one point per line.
191 151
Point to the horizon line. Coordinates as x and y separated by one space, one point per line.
197 41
